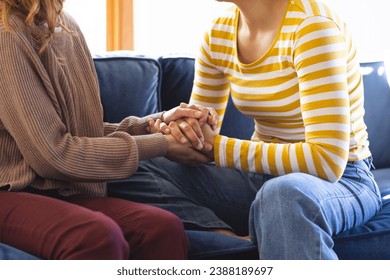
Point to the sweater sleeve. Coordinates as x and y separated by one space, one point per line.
320 61
34 123
132 125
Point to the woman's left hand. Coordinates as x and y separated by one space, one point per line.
185 124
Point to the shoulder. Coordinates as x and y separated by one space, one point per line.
223 26
302 12
225 21
227 16
69 22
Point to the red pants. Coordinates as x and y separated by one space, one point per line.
89 228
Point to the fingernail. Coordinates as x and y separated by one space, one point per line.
200 146
198 114
183 140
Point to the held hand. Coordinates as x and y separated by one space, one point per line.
157 126
209 115
195 111
184 153
189 129
184 122
182 111
209 135
183 130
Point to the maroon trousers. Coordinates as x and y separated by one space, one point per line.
89 228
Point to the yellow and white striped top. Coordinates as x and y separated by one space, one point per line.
305 94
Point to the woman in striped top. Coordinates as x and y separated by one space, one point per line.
291 65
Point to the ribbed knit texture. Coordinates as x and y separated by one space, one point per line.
52 134
305 94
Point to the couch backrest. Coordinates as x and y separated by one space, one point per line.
129 85
377 116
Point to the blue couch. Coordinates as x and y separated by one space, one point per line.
134 84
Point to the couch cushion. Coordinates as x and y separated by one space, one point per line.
11 253
369 241
211 245
128 88
382 177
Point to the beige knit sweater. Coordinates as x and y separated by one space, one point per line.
52 134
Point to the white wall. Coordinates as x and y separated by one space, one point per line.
369 22
172 25
165 26
176 25
91 16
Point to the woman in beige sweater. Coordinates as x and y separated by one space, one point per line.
57 153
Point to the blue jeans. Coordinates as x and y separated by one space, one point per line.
292 216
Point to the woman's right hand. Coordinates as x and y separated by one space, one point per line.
183 123
184 153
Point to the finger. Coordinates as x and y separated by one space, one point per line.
151 124
196 126
212 122
177 133
205 114
187 113
164 127
157 124
192 106
207 146
151 128
213 116
190 134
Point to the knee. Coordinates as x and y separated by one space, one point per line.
161 223
98 237
160 235
286 193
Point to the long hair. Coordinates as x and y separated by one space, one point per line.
34 13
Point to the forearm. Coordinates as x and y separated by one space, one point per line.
319 159
132 125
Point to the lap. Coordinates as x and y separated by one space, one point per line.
129 215
202 195
35 223
38 224
350 201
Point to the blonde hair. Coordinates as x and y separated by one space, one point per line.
34 13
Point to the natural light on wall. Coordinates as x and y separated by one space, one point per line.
178 25
171 26
91 16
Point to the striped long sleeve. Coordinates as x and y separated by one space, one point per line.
305 95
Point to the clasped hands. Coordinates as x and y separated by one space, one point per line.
190 131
